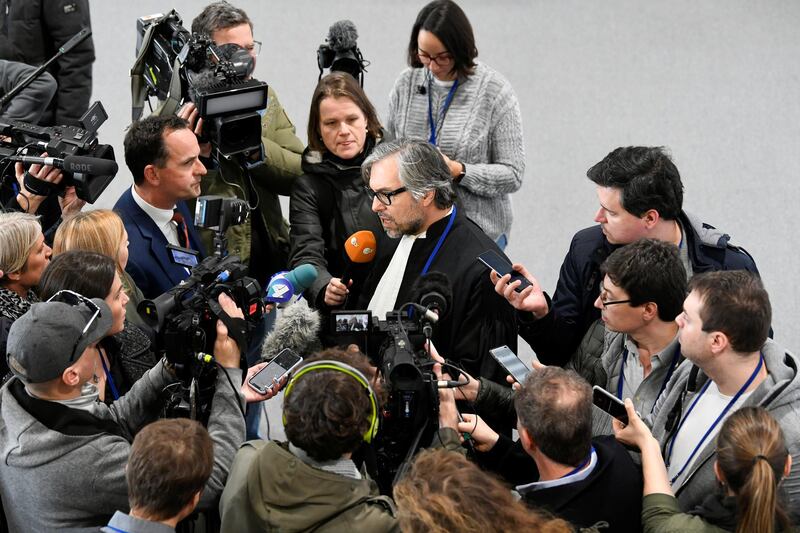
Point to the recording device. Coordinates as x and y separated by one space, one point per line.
284 286
185 257
609 403
176 66
511 363
218 214
340 52
360 248
184 321
421 89
282 365
397 346
500 265
88 165
297 327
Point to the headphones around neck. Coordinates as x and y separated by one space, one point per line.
336 366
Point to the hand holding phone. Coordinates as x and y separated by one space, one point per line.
609 403
500 265
266 379
511 363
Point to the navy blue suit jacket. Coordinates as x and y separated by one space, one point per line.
149 262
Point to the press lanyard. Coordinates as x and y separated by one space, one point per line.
442 113
440 242
109 377
720 417
580 466
671 369
118 530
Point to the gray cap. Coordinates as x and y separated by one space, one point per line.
40 341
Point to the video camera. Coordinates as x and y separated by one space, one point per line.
176 66
87 164
340 52
184 320
411 414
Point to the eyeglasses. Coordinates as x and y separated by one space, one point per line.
256 48
384 197
605 303
443 59
74 299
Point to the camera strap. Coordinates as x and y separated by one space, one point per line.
237 327
36 186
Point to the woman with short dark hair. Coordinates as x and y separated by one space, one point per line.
466 109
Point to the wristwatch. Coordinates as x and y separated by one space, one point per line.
461 174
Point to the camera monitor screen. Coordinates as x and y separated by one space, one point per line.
351 321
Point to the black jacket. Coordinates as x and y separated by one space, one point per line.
611 494
32 32
478 318
555 336
328 204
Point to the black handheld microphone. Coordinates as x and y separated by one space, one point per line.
421 89
73 163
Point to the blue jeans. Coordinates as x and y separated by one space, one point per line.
253 356
502 242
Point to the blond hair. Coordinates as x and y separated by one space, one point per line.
19 234
99 230
444 492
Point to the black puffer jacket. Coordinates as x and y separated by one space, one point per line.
328 204
32 31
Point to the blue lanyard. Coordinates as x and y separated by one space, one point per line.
440 242
118 530
671 369
109 378
442 113
580 466
720 417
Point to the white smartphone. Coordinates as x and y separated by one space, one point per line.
511 363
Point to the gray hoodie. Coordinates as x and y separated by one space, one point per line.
779 394
72 477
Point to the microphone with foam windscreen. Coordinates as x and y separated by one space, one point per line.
360 249
298 328
434 292
283 286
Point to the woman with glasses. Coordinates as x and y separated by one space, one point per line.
23 257
101 231
751 461
466 109
328 202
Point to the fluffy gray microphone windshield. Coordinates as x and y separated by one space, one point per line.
342 35
297 328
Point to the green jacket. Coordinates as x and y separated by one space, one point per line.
662 514
282 151
270 489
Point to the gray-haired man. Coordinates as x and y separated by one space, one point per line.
413 195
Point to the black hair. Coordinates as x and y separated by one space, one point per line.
144 143
87 273
647 178
448 22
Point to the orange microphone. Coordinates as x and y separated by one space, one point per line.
360 248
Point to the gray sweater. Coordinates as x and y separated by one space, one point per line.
73 479
482 129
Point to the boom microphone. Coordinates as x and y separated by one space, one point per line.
360 248
342 35
297 328
73 163
285 285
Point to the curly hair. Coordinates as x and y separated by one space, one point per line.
327 412
443 492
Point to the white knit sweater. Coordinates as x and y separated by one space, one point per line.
482 129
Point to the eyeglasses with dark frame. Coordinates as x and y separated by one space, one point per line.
74 299
384 197
613 302
442 59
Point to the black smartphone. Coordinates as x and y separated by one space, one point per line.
500 265
609 403
273 372
511 363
